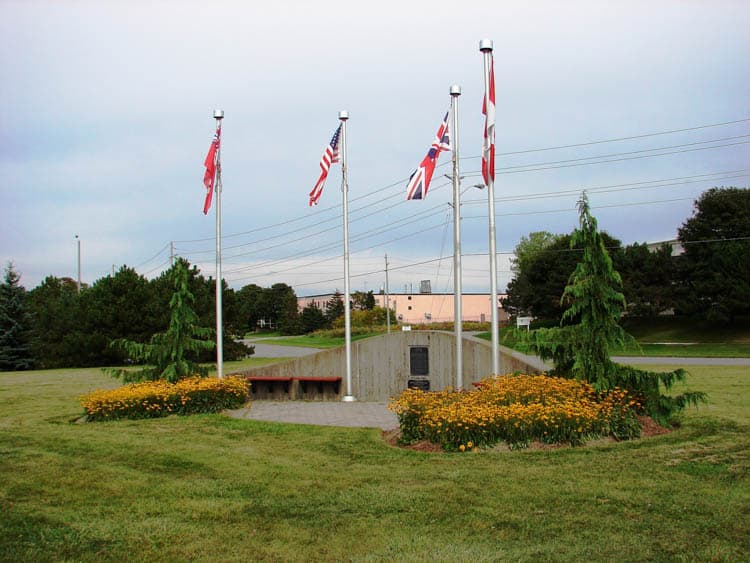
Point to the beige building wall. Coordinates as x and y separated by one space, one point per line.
424 308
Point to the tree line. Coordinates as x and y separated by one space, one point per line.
709 279
57 324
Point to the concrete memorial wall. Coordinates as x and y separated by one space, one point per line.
384 366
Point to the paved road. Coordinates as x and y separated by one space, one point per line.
263 350
681 361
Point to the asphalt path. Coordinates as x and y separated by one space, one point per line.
653 360
263 350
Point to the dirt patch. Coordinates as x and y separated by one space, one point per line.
649 428
392 436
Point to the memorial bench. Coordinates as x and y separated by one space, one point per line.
317 388
269 387
298 387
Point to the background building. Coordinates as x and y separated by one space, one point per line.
421 308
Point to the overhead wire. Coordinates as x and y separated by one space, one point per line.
513 169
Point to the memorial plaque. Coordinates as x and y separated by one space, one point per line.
421 384
419 361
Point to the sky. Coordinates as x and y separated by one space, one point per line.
106 115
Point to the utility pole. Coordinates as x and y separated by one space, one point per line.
171 253
387 299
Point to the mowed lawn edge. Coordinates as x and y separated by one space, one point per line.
210 487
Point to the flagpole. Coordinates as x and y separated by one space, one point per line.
219 115
455 92
343 117
486 46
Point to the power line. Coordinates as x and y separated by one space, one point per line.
618 139
505 171
570 210
520 169
163 248
620 187
634 152
403 180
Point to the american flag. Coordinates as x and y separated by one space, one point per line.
419 182
488 147
210 175
330 155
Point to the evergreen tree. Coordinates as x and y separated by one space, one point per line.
590 327
312 318
14 323
715 268
649 279
57 336
335 307
542 271
168 354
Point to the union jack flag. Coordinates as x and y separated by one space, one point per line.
419 182
488 147
209 177
330 155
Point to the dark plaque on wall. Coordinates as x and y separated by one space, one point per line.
421 384
419 360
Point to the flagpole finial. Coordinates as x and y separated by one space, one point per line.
486 45
343 115
455 90
218 114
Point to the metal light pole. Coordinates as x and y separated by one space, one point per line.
218 116
343 117
455 92
486 46
78 244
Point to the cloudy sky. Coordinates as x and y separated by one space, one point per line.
106 116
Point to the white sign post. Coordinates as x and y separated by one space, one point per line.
524 321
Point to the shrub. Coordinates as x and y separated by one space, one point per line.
159 398
516 409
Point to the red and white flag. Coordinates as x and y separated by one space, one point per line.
488 148
330 155
419 182
209 178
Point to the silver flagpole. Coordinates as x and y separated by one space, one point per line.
455 92
219 115
486 46
349 397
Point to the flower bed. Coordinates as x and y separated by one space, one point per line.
159 398
516 409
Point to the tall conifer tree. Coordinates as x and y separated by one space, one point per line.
14 323
594 302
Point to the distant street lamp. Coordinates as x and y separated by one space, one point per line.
78 244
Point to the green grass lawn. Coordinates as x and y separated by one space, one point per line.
214 488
